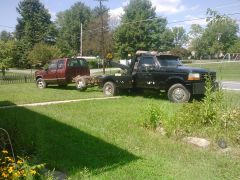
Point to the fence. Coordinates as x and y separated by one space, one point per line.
16 78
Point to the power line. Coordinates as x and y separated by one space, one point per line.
145 20
152 19
6 26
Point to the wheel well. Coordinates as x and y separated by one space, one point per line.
108 80
174 81
38 77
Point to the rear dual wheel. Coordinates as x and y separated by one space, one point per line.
81 84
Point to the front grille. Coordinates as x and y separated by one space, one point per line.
211 74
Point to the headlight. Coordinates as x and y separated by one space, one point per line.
193 76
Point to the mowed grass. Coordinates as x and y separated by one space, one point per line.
29 93
105 139
225 70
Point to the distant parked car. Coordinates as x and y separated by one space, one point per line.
61 72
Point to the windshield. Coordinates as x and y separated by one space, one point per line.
169 61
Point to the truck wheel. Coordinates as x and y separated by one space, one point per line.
109 89
41 83
178 93
81 84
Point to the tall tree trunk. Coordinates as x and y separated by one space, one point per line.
3 72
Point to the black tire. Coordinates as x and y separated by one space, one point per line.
109 89
41 83
178 93
81 84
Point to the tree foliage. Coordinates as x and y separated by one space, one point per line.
140 28
92 37
221 32
167 40
5 36
180 36
34 22
235 48
42 53
217 38
197 44
69 24
6 55
34 26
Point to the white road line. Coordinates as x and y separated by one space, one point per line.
230 82
57 102
221 62
230 89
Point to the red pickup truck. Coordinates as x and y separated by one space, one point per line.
61 72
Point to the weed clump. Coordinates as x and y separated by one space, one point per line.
209 117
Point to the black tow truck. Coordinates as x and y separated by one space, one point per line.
157 71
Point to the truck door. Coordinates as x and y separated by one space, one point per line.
72 67
51 73
143 77
61 67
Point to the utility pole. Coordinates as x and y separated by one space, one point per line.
102 43
81 46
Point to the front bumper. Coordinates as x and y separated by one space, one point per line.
199 88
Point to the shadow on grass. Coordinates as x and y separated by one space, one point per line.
61 146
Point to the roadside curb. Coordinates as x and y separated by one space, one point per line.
57 102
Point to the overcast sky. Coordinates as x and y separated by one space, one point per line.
173 10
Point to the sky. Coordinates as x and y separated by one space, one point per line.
173 10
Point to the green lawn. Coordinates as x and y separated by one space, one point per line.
225 70
105 137
29 93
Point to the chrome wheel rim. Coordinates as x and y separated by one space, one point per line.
80 84
108 90
179 94
40 84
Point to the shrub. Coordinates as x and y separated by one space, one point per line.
42 53
154 117
231 124
206 113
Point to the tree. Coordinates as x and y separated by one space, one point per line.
221 32
92 36
69 23
197 45
5 36
196 31
140 29
34 23
34 26
6 56
235 48
180 36
42 53
181 52
167 39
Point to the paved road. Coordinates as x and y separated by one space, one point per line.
231 85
